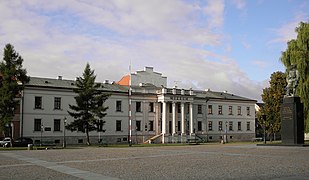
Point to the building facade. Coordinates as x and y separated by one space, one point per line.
158 114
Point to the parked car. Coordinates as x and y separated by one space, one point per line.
5 141
22 142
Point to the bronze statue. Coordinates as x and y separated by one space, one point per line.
292 80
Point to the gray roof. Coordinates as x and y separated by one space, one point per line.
70 84
220 95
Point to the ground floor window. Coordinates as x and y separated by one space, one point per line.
239 126
118 125
37 124
151 126
248 126
199 126
138 125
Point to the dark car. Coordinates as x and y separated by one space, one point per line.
22 142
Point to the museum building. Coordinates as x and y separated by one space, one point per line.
157 114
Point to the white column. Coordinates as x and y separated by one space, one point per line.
174 119
182 118
191 118
163 120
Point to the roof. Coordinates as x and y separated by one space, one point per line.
220 95
70 84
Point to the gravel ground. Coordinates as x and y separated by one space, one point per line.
210 161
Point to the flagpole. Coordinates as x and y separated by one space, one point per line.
130 104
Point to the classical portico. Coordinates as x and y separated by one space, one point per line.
175 98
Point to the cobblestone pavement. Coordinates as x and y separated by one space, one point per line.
210 161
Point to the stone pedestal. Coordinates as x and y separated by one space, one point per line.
292 121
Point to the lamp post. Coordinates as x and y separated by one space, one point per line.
225 131
64 124
264 127
42 127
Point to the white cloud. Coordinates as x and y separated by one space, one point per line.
240 4
287 32
60 38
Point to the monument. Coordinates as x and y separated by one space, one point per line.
292 116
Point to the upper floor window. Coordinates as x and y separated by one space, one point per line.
230 110
38 102
57 103
118 106
209 109
56 124
138 106
179 108
151 107
199 109
219 109
248 111
238 110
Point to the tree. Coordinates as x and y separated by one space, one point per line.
297 53
12 80
273 98
89 110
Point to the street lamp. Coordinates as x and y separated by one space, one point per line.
225 131
42 127
264 127
64 124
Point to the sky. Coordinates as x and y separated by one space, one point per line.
221 45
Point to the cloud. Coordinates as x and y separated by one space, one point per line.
60 38
240 4
215 12
286 32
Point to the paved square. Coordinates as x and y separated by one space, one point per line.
210 161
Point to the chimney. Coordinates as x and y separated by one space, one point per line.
106 81
59 78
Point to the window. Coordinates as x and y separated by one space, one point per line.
199 126
239 126
138 107
231 126
230 110
37 124
220 126
179 108
38 102
248 111
118 106
248 126
238 110
219 109
57 103
210 125
209 109
199 109
150 125
170 107
151 107
178 126
118 125
138 125
56 124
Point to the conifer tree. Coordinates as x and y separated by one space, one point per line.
12 80
297 53
89 108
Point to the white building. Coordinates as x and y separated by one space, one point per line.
159 113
